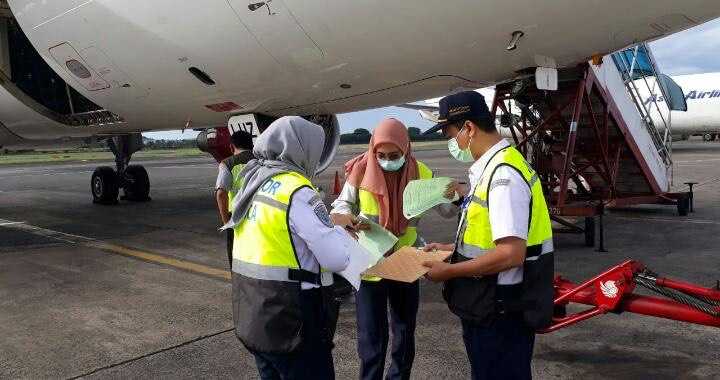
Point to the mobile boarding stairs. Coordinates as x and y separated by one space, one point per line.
602 139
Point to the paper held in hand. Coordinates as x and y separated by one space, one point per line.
406 264
421 195
375 239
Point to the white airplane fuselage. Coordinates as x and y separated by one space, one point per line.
702 94
134 57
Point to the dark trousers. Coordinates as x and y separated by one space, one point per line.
313 358
502 350
372 324
230 235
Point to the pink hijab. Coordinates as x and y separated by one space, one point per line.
364 172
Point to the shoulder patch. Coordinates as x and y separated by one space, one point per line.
499 182
315 200
322 213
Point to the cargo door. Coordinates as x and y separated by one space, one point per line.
277 30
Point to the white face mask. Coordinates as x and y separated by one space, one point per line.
392 166
462 155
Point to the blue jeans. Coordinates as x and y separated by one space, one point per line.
502 350
372 325
313 358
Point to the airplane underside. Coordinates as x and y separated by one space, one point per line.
74 72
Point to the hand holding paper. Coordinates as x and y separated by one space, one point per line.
375 239
360 260
423 194
406 264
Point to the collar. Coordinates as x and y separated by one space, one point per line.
476 170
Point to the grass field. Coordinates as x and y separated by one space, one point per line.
98 155
416 146
83 156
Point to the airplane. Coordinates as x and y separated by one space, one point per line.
702 94
74 71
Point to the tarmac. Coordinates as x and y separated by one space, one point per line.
140 290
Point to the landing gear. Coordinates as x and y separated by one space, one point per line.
709 137
105 185
106 182
136 184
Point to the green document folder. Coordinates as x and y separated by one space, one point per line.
376 240
423 194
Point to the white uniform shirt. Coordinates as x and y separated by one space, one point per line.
224 179
508 202
317 241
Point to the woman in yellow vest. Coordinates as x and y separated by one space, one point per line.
374 188
285 250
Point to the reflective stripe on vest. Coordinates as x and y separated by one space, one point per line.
475 234
263 239
262 272
370 209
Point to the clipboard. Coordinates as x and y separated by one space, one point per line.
405 264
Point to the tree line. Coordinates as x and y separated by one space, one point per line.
362 136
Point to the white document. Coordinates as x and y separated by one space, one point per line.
421 195
376 240
359 263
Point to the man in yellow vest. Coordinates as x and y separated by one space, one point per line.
229 179
499 279
284 254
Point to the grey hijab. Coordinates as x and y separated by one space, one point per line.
290 144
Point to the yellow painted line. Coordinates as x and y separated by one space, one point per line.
118 249
161 259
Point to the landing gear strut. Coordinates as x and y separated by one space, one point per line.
106 182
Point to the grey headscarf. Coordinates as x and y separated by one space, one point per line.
290 144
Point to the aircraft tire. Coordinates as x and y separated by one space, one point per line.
136 184
708 137
589 231
104 185
683 205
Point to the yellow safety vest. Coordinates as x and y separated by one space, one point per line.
369 208
475 237
262 239
474 298
235 166
266 273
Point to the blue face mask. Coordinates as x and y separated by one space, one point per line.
392 166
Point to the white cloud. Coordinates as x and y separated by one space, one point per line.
692 51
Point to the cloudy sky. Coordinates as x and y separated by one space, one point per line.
696 50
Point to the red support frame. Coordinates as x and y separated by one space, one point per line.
571 146
611 291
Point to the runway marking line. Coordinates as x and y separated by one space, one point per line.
155 258
161 259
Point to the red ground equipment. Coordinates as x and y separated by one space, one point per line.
612 291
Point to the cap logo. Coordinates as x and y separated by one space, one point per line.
458 110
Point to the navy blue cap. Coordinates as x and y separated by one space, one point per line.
460 107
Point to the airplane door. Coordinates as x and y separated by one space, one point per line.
277 30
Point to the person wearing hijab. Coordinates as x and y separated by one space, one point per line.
374 189
285 252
